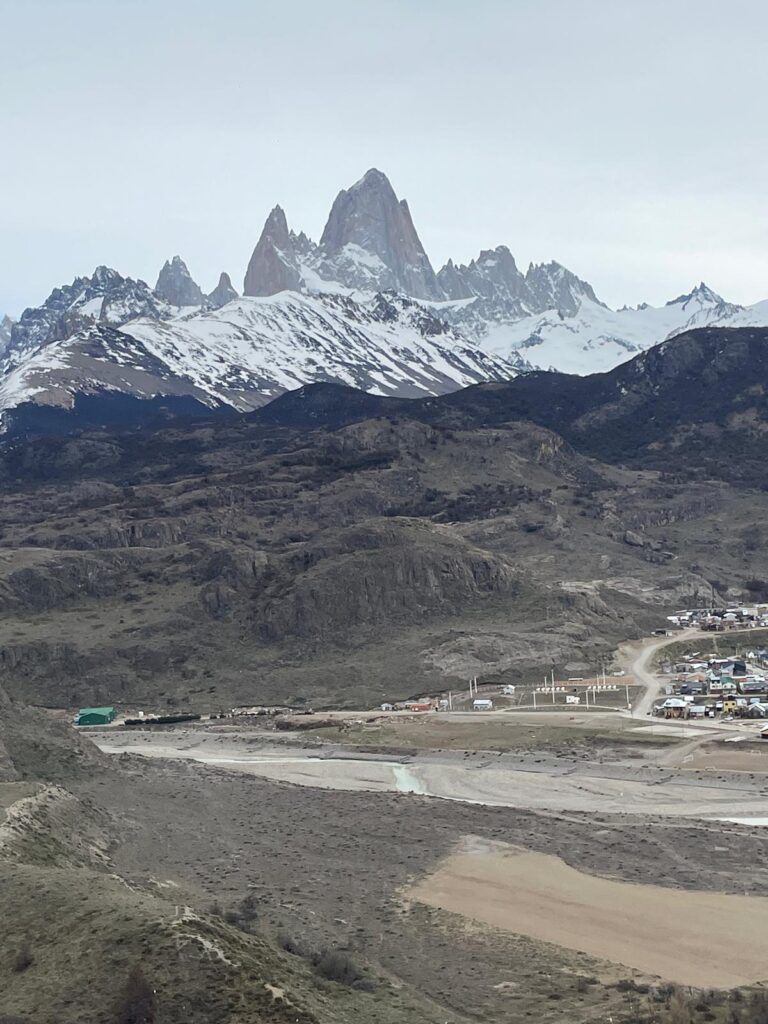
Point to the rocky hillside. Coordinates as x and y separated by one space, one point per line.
87 940
694 404
35 745
338 547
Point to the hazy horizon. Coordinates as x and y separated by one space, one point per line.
626 146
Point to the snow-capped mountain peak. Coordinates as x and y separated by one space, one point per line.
363 307
701 294
106 296
370 235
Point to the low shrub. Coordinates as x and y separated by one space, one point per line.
23 959
333 965
136 1001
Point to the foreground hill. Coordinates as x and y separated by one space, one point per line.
82 943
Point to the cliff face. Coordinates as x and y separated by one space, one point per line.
369 231
175 285
223 293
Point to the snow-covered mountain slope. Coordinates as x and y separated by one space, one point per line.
594 338
253 349
104 297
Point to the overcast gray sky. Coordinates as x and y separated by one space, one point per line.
624 138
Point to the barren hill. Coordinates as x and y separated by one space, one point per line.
342 548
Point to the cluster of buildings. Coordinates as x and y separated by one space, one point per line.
704 686
720 619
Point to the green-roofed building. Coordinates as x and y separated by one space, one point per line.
95 716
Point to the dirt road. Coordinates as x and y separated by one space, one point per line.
637 659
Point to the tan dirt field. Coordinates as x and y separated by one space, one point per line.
697 938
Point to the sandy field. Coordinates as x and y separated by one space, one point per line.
695 938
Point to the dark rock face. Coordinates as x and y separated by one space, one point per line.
552 286
175 285
367 221
273 267
105 297
493 275
223 293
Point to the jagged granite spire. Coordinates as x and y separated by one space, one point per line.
553 286
5 331
175 284
371 238
223 293
273 267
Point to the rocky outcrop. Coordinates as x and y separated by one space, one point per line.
273 266
223 293
175 285
493 276
400 572
369 240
